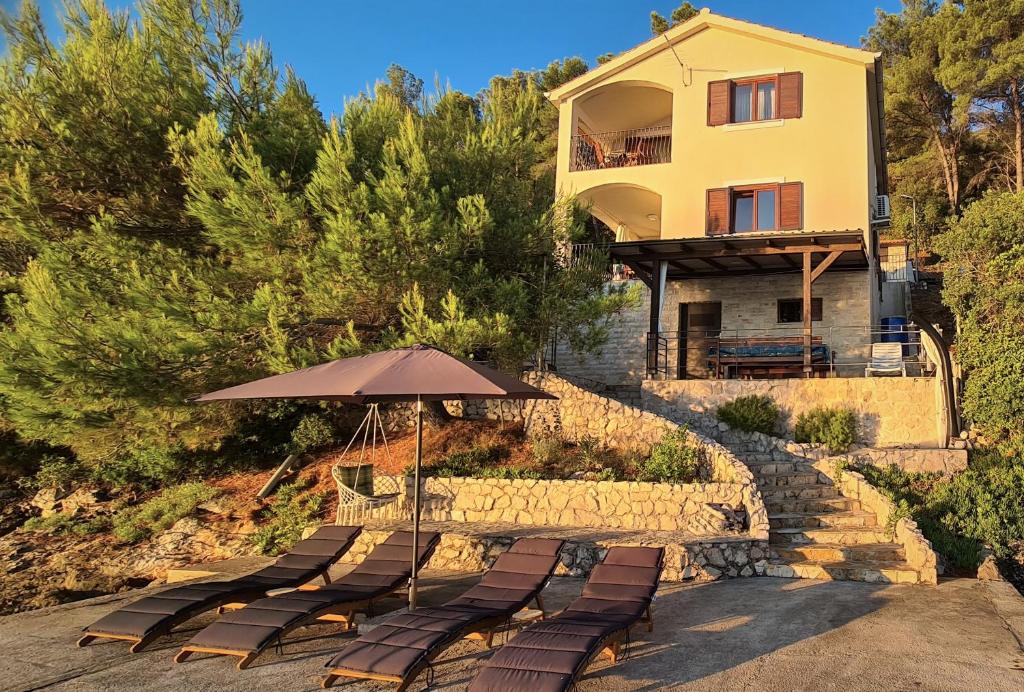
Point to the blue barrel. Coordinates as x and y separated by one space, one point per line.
895 330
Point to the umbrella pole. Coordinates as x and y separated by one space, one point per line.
416 504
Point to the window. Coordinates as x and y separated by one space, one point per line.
753 100
792 310
753 209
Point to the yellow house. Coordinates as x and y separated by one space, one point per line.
740 170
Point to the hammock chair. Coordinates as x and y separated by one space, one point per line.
354 504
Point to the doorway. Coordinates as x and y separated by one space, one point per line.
699 324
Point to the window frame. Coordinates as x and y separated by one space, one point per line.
753 190
817 308
754 83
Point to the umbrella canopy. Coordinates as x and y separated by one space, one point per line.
417 373
402 374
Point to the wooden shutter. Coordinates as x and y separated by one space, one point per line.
791 206
717 219
719 98
791 94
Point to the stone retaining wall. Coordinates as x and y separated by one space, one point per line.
880 403
696 508
473 549
947 461
579 412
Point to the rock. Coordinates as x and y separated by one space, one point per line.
47 501
80 499
988 570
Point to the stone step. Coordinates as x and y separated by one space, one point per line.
778 467
894 572
797 520
754 458
846 535
834 552
770 480
827 504
808 491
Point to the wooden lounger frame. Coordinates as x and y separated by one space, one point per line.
344 613
229 602
480 631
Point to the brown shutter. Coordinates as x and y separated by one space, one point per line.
717 219
791 206
719 94
791 94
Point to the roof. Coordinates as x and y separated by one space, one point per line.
744 254
707 19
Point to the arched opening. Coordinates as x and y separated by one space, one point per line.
630 212
622 124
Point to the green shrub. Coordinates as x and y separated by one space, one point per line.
66 522
313 432
147 468
292 511
609 473
55 471
133 524
462 464
985 504
548 450
672 460
754 413
836 428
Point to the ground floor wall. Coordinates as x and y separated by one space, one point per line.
891 411
749 308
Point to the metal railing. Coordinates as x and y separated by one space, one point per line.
638 147
898 271
837 351
594 256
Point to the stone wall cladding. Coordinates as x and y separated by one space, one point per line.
474 549
579 412
947 461
918 550
687 507
880 403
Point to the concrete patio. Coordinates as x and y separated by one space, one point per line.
765 634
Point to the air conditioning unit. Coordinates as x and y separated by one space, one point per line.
882 211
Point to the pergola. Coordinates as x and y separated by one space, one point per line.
810 253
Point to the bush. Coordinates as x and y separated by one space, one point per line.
672 460
66 522
836 428
548 450
313 432
754 413
55 471
508 473
292 511
159 513
144 468
462 464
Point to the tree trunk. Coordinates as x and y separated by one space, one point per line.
1018 132
435 414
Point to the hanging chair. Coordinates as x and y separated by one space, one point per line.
378 497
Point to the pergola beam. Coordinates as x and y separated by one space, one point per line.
824 264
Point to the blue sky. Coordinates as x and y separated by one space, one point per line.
341 46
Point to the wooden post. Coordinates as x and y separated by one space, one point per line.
808 337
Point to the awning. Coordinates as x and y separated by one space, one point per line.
742 254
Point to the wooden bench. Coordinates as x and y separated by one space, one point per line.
766 357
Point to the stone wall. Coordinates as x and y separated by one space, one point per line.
947 461
891 411
702 509
578 412
749 308
474 548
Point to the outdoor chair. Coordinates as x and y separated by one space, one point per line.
549 656
399 649
886 359
247 632
151 617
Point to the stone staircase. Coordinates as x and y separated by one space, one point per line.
816 533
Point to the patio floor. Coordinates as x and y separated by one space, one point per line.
765 634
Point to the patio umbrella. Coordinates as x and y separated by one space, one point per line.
418 373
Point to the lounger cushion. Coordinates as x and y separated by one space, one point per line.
261 622
547 656
180 603
403 642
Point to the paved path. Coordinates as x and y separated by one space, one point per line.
761 634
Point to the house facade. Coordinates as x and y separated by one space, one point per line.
741 171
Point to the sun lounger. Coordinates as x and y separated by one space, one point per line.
548 656
151 617
247 632
399 649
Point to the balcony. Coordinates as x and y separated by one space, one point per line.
621 148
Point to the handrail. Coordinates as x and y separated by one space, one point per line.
636 147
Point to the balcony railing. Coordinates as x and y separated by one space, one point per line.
638 147
898 271
594 256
